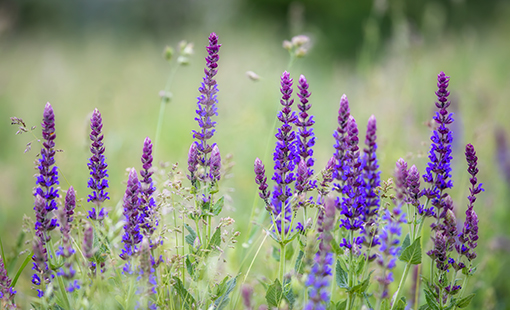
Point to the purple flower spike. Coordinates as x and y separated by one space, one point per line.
6 291
261 180
148 222
215 164
413 186
132 236
438 169
88 242
305 138
66 250
401 179
340 134
318 280
207 103
352 206
372 180
192 161
469 235
284 155
98 182
47 178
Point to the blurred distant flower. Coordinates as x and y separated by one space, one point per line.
252 75
298 46
168 53
66 216
6 291
215 164
97 166
503 153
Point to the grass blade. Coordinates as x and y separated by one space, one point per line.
21 268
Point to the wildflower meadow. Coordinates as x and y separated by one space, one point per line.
327 229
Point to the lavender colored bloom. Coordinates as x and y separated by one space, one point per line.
6 291
146 270
88 242
261 180
318 280
413 187
284 155
98 182
192 161
148 221
132 236
503 153
215 164
207 103
305 138
47 178
340 135
469 236
42 273
371 179
389 234
438 171
352 206
401 174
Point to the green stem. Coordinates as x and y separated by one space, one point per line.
464 284
400 285
350 298
164 101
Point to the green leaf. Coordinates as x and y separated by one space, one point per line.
186 297
289 252
21 268
190 239
218 206
412 254
336 247
341 276
274 294
385 305
63 292
215 239
405 244
360 288
401 304
424 307
361 264
224 299
288 294
299 266
190 267
276 254
431 300
464 302
2 252
341 305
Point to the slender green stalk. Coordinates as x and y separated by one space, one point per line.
400 285
164 101
350 297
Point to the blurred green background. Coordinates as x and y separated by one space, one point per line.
384 54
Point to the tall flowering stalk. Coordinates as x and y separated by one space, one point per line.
305 139
45 200
371 180
207 107
6 291
318 280
132 236
98 181
340 135
148 220
66 216
284 157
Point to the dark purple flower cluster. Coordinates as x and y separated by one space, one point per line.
305 139
469 236
148 220
66 216
97 166
261 180
6 291
284 156
318 280
438 171
352 205
40 258
371 180
206 109
132 236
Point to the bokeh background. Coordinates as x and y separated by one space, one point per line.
384 54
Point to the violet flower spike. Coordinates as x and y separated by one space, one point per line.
469 236
47 178
192 162
98 181
66 249
352 206
305 138
284 156
318 280
132 236
340 134
148 220
438 171
207 103
88 242
413 187
372 180
6 291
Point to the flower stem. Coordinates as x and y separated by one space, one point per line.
400 285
